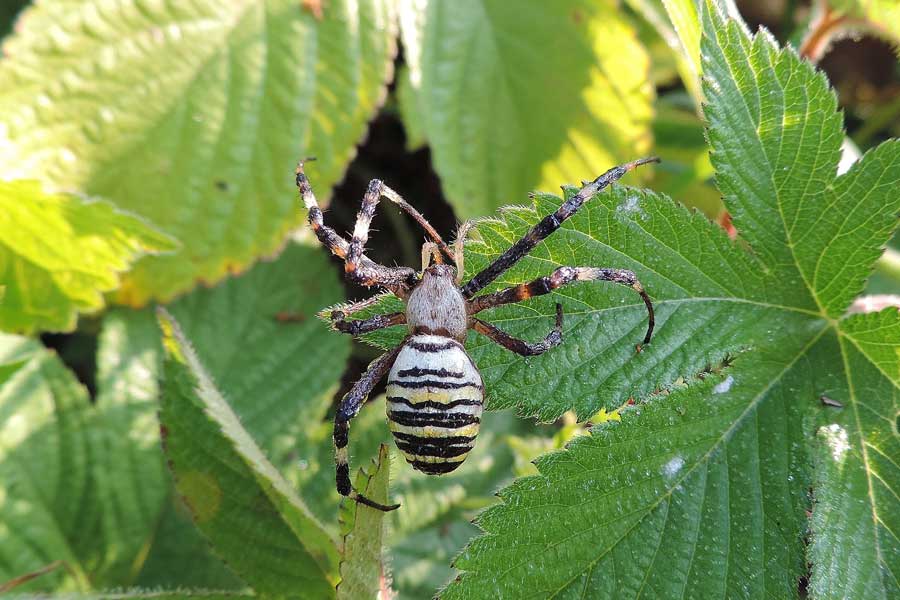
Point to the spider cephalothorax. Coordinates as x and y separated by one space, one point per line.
435 395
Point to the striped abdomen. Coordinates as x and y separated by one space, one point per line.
435 399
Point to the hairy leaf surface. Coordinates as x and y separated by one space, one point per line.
240 91
60 253
712 477
498 120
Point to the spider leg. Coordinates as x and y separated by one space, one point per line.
339 322
397 199
374 193
396 279
521 346
559 278
348 408
547 226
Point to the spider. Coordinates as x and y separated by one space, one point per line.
435 395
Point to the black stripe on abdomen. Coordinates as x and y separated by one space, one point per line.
433 383
431 348
450 440
418 372
425 447
433 404
438 468
448 420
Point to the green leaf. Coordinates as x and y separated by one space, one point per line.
855 549
148 537
59 253
193 115
152 594
47 505
703 490
238 499
868 333
682 35
129 528
363 570
499 118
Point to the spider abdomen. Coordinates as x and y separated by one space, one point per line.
435 398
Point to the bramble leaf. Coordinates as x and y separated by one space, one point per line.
238 499
131 528
712 476
59 253
277 390
499 121
193 115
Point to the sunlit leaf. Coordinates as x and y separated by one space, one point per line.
59 253
510 100
192 114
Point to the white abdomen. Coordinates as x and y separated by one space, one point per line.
435 400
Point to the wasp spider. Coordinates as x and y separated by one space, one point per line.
435 394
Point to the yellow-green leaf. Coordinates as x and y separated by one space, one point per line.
59 253
512 100
192 114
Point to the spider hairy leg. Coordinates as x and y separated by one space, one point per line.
328 236
340 323
547 226
397 279
349 408
374 193
560 277
521 347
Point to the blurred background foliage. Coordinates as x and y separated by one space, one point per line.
172 130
